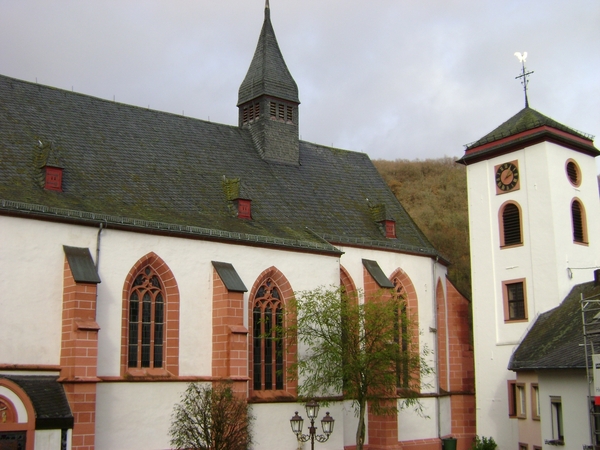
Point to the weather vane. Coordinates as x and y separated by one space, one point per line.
524 74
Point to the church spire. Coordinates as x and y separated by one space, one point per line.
268 74
268 100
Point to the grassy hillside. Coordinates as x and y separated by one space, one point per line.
434 192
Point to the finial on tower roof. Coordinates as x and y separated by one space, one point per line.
267 4
524 74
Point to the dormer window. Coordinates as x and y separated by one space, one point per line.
390 228
53 180
244 208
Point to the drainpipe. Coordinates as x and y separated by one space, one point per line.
98 246
435 344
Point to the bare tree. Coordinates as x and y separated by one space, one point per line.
211 418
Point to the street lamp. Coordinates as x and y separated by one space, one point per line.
312 409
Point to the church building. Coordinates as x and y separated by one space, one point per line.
141 251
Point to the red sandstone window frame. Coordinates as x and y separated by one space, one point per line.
170 291
262 298
508 292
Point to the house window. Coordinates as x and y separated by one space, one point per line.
557 420
515 300
523 446
510 225
267 339
516 400
146 321
579 222
535 402
521 401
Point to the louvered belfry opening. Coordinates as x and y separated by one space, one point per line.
511 218
577 217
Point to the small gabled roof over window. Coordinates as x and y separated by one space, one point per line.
377 274
229 276
81 264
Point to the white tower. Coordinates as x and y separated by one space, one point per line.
533 216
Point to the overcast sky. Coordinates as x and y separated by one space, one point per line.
397 79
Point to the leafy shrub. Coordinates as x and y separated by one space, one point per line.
484 443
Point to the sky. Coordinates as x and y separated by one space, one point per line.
396 79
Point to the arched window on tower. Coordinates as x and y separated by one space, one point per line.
511 232
267 339
579 222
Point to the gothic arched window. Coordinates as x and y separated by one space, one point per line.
146 321
267 340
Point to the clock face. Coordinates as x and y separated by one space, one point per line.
507 177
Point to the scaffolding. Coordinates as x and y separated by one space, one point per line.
590 316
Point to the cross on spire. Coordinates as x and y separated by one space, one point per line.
524 74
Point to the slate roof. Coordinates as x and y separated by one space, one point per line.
142 169
555 339
268 74
50 403
525 120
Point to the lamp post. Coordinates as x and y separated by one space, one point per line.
312 409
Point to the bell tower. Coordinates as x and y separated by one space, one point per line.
268 101
533 215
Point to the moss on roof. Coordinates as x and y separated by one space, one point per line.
555 339
526 119
137 166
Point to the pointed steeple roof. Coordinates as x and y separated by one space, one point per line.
268 74
526 128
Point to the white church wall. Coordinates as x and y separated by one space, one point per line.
32 264
272 428
414 425
135 416
190 263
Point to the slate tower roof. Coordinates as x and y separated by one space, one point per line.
268 74
526 128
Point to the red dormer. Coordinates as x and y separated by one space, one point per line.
244 208
53 178
390 228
